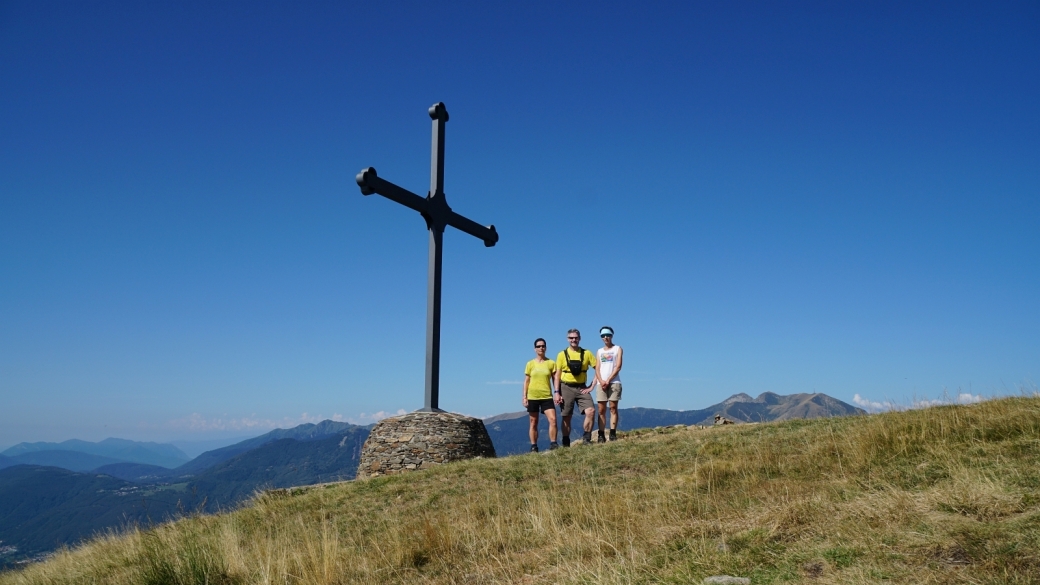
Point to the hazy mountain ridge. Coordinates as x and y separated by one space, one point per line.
281 463
70 460
304 432
162 454
194 448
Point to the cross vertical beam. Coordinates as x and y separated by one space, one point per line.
433 322
435 210
439 114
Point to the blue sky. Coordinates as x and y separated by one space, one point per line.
785 197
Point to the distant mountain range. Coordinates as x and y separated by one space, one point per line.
70 460
112 450
42 506
304 432
195 448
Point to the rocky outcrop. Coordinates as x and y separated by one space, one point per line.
420 440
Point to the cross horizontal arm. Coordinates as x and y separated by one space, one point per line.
488 234
370 183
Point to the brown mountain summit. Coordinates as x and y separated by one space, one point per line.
769 406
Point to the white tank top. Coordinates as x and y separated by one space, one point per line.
607 358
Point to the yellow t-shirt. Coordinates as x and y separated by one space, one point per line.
541 373
561 365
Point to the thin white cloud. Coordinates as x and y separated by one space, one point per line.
872 405
887 405
366 418
966 398
197 423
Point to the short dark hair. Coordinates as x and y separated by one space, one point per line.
569 331
536 343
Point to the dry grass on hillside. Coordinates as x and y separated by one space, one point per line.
944 495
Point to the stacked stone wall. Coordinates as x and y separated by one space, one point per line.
420 440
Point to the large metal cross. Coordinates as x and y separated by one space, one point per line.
434 209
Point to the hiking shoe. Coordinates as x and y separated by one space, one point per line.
587 438
566 441
600 438
534 448
553 446
613 435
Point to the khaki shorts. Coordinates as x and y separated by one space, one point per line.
612 396
572 394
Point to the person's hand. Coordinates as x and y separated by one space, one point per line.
525 402
557 398
586 390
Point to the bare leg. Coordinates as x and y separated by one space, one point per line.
533 432
567 425
603 415
613 415
550 415
590 419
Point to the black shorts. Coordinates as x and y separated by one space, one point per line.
536 406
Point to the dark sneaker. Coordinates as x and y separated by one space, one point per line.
534 448
613 435
600 438
566 441
553 446
587 437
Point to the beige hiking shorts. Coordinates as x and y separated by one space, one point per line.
613 393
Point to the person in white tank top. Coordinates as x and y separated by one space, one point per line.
608 376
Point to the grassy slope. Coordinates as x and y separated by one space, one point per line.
944 495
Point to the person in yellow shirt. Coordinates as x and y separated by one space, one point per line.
538 394
571 367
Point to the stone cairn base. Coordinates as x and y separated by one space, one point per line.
420 440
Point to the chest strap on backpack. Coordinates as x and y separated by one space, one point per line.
575 366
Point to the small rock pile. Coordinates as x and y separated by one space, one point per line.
420 440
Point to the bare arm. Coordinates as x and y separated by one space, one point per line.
599 380
595 370
554 384
617 368
557 376
527 382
